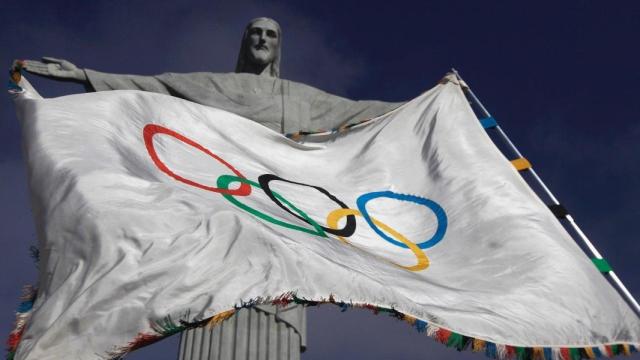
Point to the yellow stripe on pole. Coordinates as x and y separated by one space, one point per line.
521 164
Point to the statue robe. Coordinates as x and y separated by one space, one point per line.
281 105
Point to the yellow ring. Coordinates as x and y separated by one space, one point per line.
423 260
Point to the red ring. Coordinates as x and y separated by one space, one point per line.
151 129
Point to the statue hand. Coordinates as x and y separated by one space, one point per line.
55 68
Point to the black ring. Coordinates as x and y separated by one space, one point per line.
348 229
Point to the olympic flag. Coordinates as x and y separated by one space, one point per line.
155 214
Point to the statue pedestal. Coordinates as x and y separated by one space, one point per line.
260 333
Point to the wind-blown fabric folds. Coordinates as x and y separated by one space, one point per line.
155 214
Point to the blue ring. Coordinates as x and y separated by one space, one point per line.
432 205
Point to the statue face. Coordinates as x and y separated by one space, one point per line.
263 42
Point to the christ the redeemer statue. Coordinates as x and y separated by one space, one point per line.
254 91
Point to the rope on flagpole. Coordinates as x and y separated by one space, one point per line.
597 259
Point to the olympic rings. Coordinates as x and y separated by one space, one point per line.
334 216
432 205
423 260
150 130
348 229
225 180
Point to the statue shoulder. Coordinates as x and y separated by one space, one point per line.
246 83
195 76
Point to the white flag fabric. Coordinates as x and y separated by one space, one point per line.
155 214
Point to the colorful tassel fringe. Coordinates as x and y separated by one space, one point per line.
218 318
23 313
447 337
15 75
167 327
297 136
161 329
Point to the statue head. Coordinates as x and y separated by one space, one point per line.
260 48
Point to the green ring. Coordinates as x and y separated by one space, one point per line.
223 183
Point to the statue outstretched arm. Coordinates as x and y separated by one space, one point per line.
58 69
63 70
288 107
330 111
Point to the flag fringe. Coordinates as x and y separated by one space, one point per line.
440 334
167 326
23 313
15 75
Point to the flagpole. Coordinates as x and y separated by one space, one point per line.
597 258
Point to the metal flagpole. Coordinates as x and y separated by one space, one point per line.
598 260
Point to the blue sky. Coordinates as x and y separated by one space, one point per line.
560 79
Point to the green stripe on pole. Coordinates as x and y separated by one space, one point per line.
602 265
